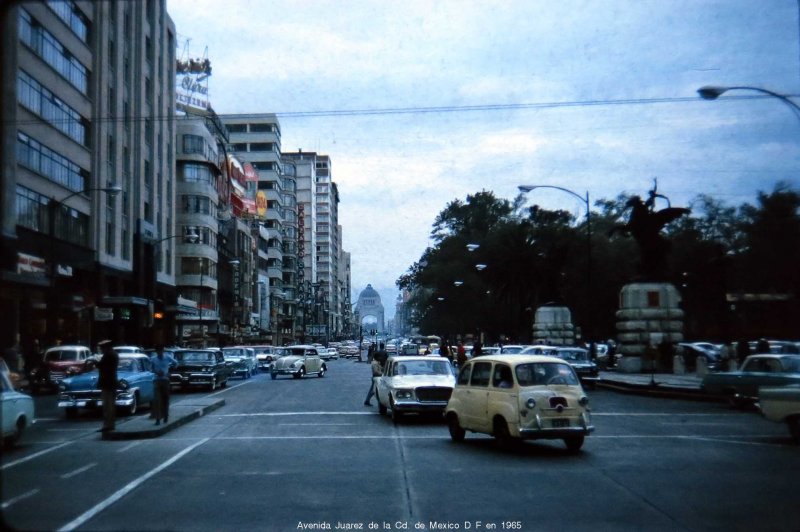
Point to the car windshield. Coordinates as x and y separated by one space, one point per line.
62 355
197 356
228 353
512 349
299 351
423 367
542 373
127 364
573 355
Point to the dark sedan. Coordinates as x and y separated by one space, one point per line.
741 387
205 368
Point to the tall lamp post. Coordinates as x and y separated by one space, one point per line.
712 92
585 199
53 206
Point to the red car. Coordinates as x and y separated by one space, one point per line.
60 362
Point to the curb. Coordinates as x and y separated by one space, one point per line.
182 413
660 390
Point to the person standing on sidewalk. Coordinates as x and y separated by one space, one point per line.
107 383
161 364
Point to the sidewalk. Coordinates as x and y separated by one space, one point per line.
180 413
659 384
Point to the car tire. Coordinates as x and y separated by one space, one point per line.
456 432
794 428
396 414
321 372
501 433
381 407
131 410
574 443
300 373
213 385
70 413
16 435
273 375
735 400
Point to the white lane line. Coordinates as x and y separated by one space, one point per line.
130 446
277 414
46 419
89 514
36 455
78 471
316 424
656 414
229 388
18 498
71 430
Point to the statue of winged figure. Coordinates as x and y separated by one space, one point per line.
644 225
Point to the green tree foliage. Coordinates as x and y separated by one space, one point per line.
534 256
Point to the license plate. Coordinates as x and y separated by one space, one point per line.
560 423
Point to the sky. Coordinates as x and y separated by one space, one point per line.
419 103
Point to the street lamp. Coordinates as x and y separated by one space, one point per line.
53 206
712 92
585 200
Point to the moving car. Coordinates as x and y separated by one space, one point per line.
330 353
17 410
418 384
266 355
59 362
299 361
581 362
243 360
524 397
766 370
782 404
205 368
134 389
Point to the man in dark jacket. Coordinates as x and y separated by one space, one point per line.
108 384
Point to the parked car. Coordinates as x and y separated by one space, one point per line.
127 349
512 349
266 355
782 404
243 360
205 368
18 380
17 411
134 387
691 351
524 397
418 384
539 349
299 361
584 366
60 362
329 353
767 370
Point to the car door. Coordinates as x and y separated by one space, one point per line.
381 384
476 398
313 362
145 377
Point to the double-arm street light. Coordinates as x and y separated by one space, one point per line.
589 295
53 206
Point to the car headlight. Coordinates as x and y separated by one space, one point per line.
583 401
404 394
530 403
62 387
123 385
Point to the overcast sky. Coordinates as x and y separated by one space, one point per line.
580 58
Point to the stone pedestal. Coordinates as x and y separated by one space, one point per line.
649 314
553 325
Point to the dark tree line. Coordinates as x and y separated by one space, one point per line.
737 267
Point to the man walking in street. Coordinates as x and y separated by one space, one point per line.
108 384
378 360
161 364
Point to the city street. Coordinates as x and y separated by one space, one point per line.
292 454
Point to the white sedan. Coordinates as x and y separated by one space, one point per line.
417 384
17 414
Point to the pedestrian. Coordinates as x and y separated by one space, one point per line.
446 351
461 354
477 349
108 384
161 364
742 351
378 360
762 347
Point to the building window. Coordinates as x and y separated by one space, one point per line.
44 161
69 13
69 224
33 96
239 146
197 204
52 52
197 173
262 146
262 128
237 128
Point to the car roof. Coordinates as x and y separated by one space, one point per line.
138 356
65 347
418 357
515 359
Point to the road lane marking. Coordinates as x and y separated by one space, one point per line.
36 455
78 471
18 498
655 414
130 446
317 424
90 513
229 388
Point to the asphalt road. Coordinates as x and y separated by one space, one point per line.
307 454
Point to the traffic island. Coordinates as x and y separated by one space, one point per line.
180 413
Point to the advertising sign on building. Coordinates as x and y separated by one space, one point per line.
191 86
261 204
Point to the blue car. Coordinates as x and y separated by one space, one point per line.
134 389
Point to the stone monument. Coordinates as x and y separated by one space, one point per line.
553 325
650 312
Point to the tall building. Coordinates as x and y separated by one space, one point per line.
87 169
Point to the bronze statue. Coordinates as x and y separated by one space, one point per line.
644 225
